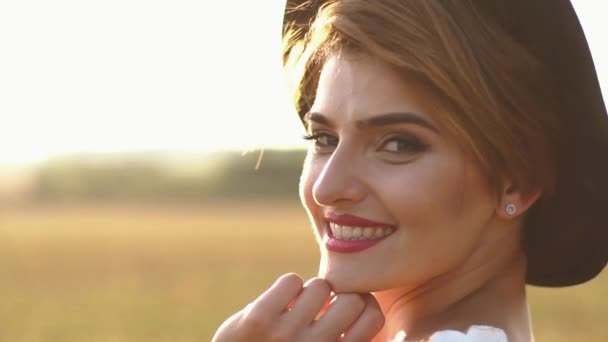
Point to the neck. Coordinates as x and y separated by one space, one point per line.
488 289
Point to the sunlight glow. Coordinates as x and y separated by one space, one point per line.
128 75
133 75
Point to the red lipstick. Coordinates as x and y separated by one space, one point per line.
352 246
355 221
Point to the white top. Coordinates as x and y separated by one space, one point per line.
476 333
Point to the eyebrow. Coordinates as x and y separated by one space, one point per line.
376 121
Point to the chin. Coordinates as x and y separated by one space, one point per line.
346 279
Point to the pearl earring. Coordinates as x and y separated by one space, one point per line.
511 209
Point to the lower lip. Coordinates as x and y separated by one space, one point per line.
348 246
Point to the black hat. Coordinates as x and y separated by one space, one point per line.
565 235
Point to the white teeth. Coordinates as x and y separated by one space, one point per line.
359 233
347 232
336 230
379 233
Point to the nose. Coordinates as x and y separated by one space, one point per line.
340 183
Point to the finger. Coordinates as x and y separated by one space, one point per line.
277 297
368 324
328 301
310 301
342 312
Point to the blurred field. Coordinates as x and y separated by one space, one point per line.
175 273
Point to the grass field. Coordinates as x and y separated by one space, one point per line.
175 273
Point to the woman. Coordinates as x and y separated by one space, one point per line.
458 151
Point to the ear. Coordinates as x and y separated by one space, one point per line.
513 203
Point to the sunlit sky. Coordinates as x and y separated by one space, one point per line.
141 75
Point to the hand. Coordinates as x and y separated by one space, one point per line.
289 311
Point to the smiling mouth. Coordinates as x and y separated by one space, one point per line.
341 232
350 234
353 239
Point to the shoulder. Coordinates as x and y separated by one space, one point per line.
476 333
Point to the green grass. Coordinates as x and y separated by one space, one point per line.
174 274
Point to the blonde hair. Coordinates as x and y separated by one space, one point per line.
501 105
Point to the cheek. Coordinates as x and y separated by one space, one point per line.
422 192
441 207
310 172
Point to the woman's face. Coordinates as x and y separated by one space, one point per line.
393 200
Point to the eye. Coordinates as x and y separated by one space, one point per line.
403 144
322 141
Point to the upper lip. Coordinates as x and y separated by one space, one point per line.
354 221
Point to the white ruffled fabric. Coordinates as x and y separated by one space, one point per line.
475 333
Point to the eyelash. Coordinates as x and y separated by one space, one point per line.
315 136
413 144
